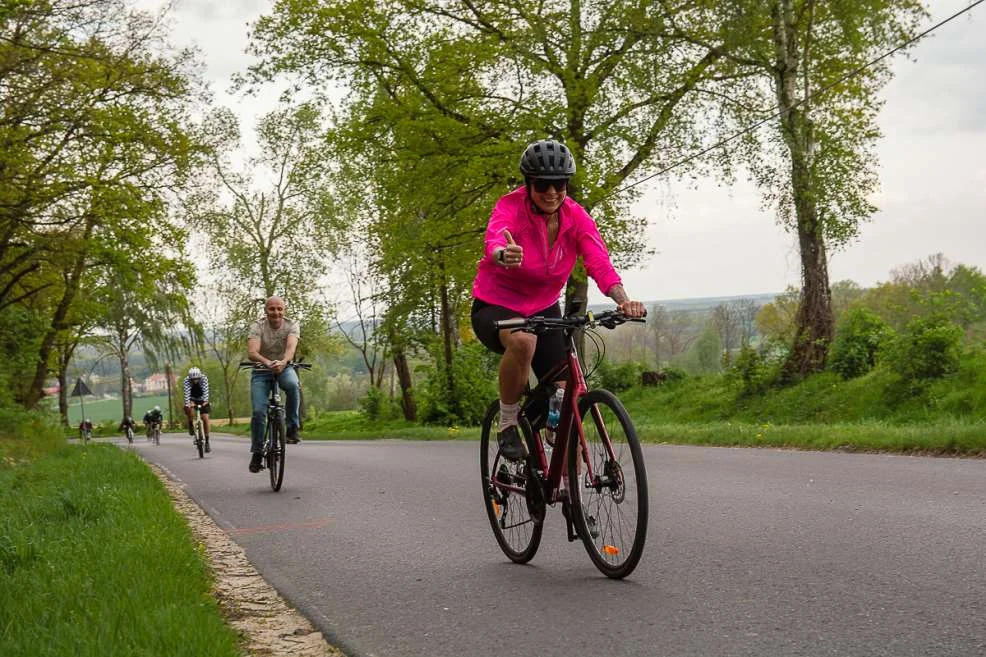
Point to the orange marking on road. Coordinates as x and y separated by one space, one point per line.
312 524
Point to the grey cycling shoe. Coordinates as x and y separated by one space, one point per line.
511 444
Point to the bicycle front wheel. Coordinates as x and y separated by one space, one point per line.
275 450
608 485
200 440
509 494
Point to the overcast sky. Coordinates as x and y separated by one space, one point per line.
716 241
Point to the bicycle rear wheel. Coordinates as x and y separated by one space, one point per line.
199 440
275 450
610 508
513 501
157 434
130 435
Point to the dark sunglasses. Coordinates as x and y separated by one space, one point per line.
541 185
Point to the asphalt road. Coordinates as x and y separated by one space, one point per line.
385 546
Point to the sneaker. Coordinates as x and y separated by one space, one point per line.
293 436
207 448
256 460
511 444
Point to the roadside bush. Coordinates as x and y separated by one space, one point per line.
617 378
474 370
752 371
858 338
929 348
378 405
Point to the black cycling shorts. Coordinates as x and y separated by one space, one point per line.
204 409
550 349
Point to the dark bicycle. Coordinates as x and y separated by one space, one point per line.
274 432
604 499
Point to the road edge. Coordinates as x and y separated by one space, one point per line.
268 624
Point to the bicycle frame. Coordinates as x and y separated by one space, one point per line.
569 426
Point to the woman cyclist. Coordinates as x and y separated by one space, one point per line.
533 238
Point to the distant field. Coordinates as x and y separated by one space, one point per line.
111 410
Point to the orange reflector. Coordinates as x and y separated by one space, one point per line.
496 507
611 549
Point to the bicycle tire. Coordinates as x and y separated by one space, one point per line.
275 450
157 435
517 520
130 436
610 512
199 439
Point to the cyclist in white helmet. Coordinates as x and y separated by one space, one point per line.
196 388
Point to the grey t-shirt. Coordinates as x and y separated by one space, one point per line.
273 342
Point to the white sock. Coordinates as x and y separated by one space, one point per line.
508 415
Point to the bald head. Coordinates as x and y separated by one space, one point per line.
274 310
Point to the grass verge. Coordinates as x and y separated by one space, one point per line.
95 561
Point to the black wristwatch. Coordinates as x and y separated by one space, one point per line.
499 254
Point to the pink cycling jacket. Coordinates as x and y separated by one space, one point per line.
539 281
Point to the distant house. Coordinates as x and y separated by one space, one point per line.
51 391
156 383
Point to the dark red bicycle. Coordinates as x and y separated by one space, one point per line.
596 449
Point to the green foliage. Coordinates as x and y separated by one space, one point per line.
475 385
929 348
858 338
617 377
378 405
26 435
753 372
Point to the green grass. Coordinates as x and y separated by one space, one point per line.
95 561
102 411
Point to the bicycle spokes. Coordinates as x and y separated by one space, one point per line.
612 488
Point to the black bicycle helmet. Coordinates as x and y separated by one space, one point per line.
548 159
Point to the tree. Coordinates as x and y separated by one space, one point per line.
451 91
674 332
818 167
93 134
276 241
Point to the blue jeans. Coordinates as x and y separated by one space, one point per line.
260 387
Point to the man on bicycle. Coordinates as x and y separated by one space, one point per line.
127 422
533 238
272 342
196 388
85 428
151 418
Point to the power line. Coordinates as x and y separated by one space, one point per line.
810 96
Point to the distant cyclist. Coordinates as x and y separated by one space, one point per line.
533 238
196 387
272 342
151 418
128 423
85 428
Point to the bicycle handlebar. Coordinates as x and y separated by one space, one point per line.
609 319
249 364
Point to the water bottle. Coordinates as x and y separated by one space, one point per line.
554 412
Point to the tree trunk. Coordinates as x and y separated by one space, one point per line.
32 395
447 319
63 395
815 322
404 377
